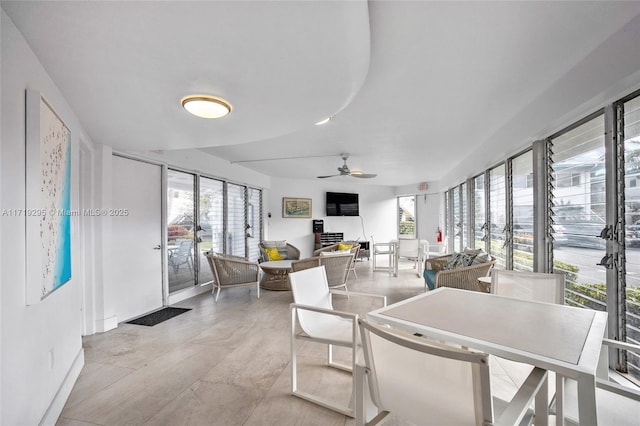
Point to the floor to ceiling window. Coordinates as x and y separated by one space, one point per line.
522 220
632 228
211 215
254 222
498 215
181 229
479 216
464 215
236 220
457 220
586 181
208 215
579 213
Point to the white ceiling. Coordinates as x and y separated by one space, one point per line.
415 87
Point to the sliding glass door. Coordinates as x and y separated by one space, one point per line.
181 231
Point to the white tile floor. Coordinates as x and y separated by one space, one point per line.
227 363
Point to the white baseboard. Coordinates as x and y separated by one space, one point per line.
55 408
106 324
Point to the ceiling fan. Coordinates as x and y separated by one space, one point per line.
345 171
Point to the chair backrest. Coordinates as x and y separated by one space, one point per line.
337 267
184 249
409 248
417 379
535 286
310 288
302 264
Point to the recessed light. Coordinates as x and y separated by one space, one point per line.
206 106
325 121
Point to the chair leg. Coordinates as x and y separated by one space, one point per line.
217 293
258 288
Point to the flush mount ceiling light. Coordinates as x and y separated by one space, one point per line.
206 106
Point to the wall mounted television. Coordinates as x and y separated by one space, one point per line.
342 204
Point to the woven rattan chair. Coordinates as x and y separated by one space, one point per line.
334 247
336 267
292 253
465 278
232 271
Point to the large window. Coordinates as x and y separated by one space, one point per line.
498 215
579 212
181 230
407 216
522 221
457 220
205 214
464 215
479 217
632 229
211 215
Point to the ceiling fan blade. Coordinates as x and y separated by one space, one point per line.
363 175
328 176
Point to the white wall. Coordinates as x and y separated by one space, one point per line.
377 212
41 345
199 161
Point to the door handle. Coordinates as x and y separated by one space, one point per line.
158 247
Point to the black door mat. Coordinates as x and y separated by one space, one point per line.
158 316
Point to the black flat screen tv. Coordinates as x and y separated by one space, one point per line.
342 204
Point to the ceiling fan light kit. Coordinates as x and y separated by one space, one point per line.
345 171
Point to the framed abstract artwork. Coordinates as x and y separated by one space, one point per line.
48 199
296 207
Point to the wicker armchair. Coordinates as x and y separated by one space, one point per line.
336 267
232 271
334 247
354 250
292 253
465 278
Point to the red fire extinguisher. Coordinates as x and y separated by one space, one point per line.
439 235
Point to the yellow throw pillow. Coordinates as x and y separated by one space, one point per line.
273 253
345 246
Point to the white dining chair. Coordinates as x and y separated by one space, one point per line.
534 286
429 383
313 319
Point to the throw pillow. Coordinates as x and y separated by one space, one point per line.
471 252
344 246
482 258
458 260
273 253
335 252
430 278
281 245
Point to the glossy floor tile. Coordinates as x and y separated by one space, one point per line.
227 363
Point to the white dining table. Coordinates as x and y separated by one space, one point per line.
557 338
